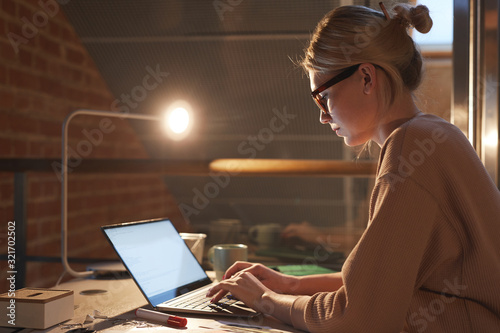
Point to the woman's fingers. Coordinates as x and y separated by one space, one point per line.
218 295
236 267
244 286
221 289
217 292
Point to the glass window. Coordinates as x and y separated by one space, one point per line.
441 34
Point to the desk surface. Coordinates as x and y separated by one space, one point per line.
122 297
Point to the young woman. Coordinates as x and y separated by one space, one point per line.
429 260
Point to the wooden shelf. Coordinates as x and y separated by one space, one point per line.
283 167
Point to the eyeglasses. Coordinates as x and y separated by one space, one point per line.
336 79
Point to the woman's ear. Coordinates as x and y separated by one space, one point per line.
369 78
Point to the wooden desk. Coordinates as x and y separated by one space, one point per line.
120 300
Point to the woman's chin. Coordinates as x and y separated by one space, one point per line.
348 141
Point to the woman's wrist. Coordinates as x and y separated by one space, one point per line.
288 284
277 305
297 285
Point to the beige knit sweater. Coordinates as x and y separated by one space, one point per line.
429 260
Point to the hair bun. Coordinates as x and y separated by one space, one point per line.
417 17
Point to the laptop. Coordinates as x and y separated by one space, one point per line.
165 269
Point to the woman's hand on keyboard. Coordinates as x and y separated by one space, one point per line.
244 287
251 284
248 282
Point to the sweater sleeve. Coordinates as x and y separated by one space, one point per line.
381 272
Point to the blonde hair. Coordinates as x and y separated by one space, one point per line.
350 35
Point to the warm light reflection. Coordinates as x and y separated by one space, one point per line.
491 139
178 120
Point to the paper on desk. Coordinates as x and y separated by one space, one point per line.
196 325
200 329
161 329
246 327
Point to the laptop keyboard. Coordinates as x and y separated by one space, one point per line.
198 301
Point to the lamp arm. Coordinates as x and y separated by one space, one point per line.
64 177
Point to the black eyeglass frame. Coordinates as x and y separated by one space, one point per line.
336 79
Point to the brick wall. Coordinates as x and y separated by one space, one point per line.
45 73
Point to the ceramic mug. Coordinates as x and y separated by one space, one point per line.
225 231
222 256
265 235
196 243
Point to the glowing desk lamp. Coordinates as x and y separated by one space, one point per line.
177 118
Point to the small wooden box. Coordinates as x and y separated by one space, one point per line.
36 307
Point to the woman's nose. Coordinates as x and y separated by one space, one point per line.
324 118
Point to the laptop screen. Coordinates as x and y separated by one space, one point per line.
157 258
